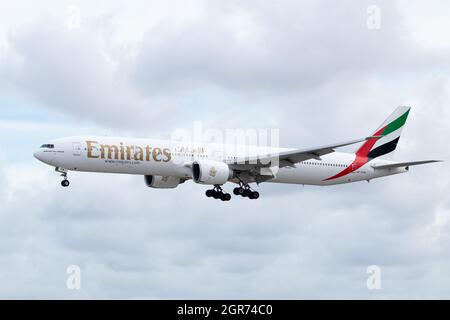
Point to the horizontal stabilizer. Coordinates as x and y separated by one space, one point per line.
403 164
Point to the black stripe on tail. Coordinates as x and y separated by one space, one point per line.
383 149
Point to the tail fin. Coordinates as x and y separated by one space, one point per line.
388 133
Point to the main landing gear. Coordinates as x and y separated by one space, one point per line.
217 193
244 190
65 183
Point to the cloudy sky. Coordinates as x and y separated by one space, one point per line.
319 71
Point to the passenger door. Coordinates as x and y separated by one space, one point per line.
76 148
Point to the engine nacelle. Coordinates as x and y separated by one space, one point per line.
211 172
160 182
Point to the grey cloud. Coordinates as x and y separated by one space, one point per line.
72 72
294 56
154 246
294 47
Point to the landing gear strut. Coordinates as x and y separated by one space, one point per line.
244 190
65 183
217 193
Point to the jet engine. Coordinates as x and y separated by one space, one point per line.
211 172
160 182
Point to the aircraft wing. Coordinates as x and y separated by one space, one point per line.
403 164
290 158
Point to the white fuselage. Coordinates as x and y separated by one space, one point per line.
171 158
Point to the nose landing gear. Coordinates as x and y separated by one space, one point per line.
217 193
65 183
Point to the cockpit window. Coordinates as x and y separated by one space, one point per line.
48 146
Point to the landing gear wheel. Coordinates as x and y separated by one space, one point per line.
253 195
217 193
245 191
65 183
225 197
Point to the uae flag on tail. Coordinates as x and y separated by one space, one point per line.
388 133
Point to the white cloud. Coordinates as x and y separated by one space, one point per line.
428 23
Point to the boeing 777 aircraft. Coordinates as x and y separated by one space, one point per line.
166 164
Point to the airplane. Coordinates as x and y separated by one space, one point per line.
166 164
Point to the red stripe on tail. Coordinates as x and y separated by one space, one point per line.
364 150
361 156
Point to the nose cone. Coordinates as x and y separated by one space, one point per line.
44 155
38 155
